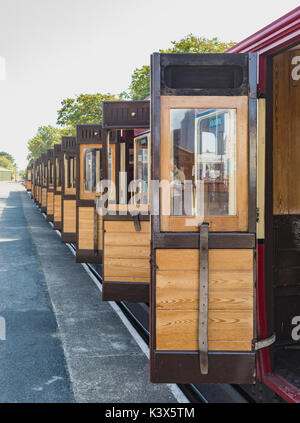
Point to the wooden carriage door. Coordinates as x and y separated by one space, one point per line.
203 128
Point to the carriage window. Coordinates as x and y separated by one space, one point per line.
70 172
93 169
29 175
110 164
50 167
122 175
141 166
44 173
203 162
57 175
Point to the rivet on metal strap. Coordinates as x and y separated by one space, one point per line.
203 298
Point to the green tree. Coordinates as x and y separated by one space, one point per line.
139 88
45 139
9 157
83 109
6 163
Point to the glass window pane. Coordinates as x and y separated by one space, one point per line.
141 167
57 176
203 162
122 175
93 169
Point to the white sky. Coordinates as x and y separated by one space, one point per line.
58 48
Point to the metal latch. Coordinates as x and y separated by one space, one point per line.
265 343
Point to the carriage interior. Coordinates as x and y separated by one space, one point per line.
285 234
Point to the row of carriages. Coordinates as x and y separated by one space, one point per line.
169 197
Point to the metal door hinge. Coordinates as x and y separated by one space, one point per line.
257 215
265 343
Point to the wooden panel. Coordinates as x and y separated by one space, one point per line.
69 216
178 330
231 299
125 227
50 196
100 232
123 239
137 268
286 136
86 228
227 290
134 251
126 252
44 197
57 208
238 223
70 191
218 260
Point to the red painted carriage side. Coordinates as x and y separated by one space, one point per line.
282 33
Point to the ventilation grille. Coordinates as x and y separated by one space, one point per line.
68 144
89 133
126 114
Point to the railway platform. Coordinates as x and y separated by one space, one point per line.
63 344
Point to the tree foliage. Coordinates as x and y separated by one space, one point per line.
139 88
9 157
6 163
83 109
192 44
45 139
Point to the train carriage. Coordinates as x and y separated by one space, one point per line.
33 182
36 167
91 159
28 179
126 223
44 182
278 202
68 197
50 185
203 232
57 194
225 241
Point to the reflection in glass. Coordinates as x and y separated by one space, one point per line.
70 172
57 172
50 168
203 162
93 170
122 175
141 167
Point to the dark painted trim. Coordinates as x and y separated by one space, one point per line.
69 238
89 256
223 241
134 292
252 196
69 197
50 218
57 226
183 367
128 217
